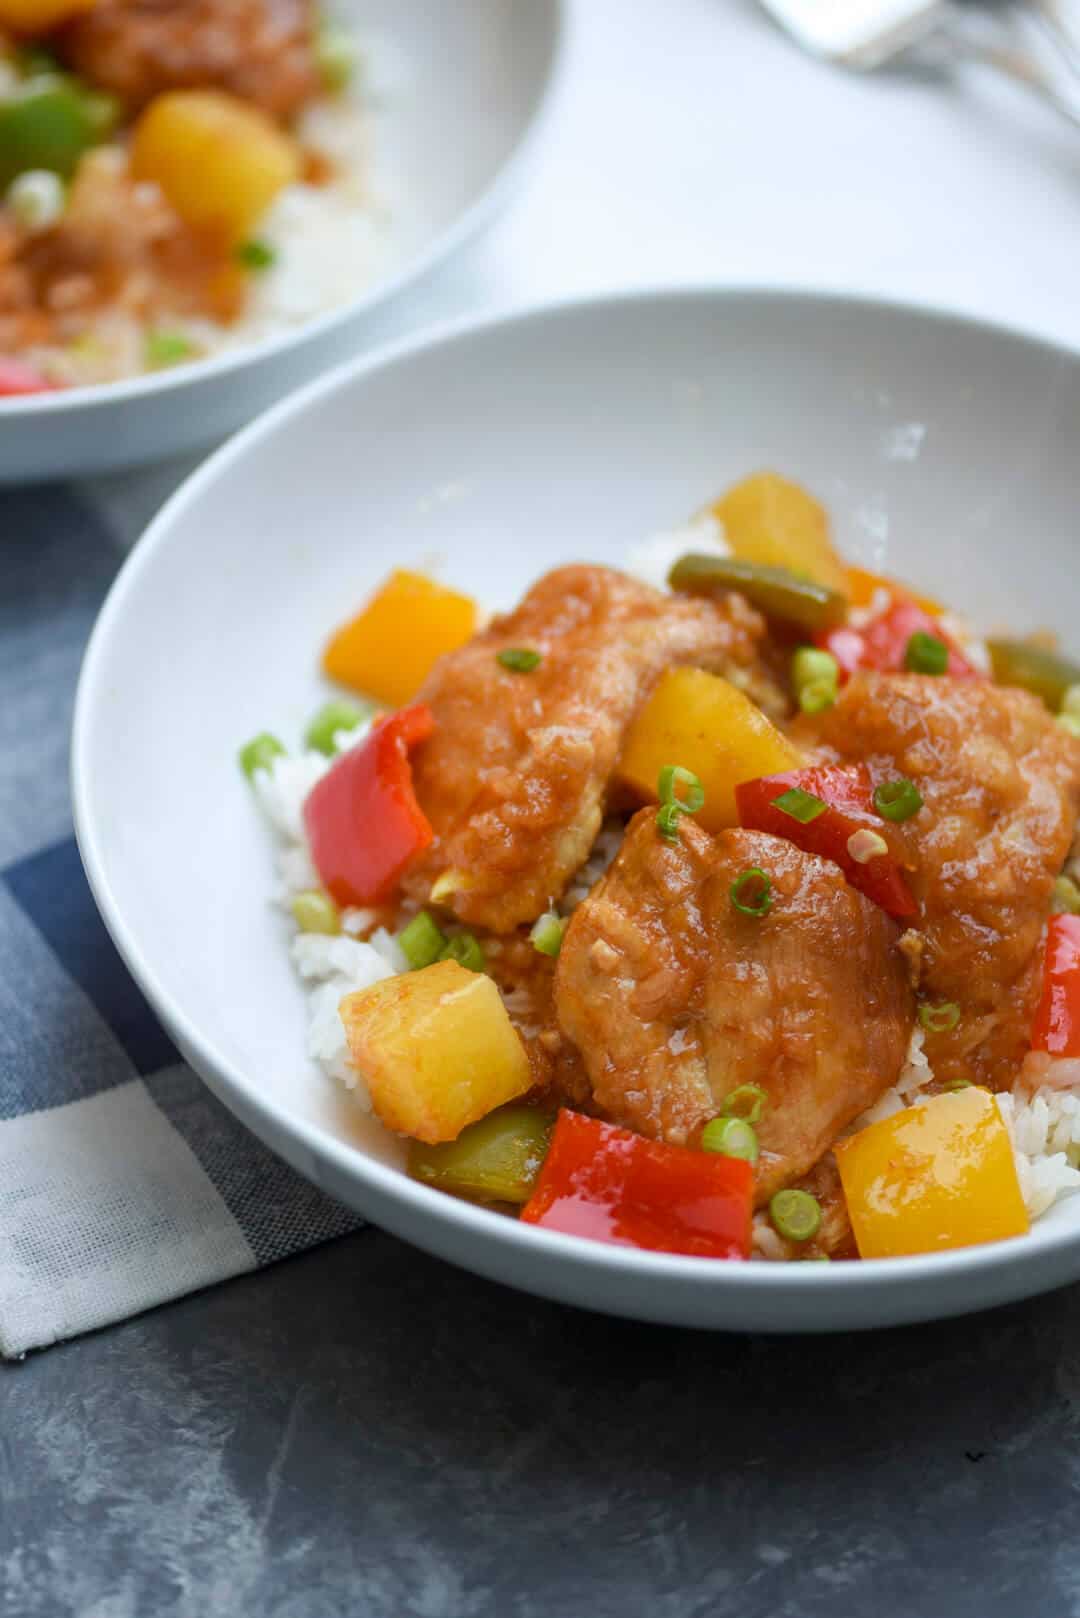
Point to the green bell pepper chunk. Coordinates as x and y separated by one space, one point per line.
775 591
1047 674
48 123
495 1160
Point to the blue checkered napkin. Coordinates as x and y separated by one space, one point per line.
122 1181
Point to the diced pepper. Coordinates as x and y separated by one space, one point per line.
767 519
39 16
219 161
864 586
1034 668
437 1048
775 591
935 1176
882 643
495 1160
389 648
48 122
1056 1028
705 724
362 819
614 1186
847 794
17 380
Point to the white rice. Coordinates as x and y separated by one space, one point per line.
652 560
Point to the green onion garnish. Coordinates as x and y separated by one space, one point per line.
897 800
335 57
795 1214
422 941
315 912
801 806
925 654
547 934
817 696
667 822
751 893
816 678
939 1019
165 348
255 254
518 659
331 719
466 950
673 776
731 1137
259 753
747 1102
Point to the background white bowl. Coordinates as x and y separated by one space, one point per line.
475 78
946 453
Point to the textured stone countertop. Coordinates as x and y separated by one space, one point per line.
367 1432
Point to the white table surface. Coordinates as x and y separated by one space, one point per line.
690 140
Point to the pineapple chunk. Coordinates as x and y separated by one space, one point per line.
219 161
437 1048
769 520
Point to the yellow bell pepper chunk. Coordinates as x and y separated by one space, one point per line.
707 725
38 16
863 586
437 1048
767 519
389 649
935 1176
219 161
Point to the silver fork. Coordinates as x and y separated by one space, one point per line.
1019 40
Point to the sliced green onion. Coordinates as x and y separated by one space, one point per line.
330 720
731 1137
335 57
673 776
925 654
422 941
165 348
1069 722
466 950
518 659
547 934
795 1214
809 665
865 845
315 912
1065 897
818 696
747 1102
667 822
259 753
255 254
751 893
897 800
801 806
957 1084
939 1019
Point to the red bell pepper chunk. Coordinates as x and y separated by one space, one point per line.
614 1186
18 380
882 643
363 822
847 792
1057 1022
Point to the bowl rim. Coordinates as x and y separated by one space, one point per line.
383 292
349 1161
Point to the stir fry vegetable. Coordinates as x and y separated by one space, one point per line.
934 1176
389 648
828 810
775 591
864 587
904 636
362 819
437 1048
495 1160
1056 1028
1048 674
48 122
768 520
614 1186
713 730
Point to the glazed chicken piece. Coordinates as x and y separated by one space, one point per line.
260 50
1001 785
674 998
515 778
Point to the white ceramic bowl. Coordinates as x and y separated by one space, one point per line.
475 79
946 452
